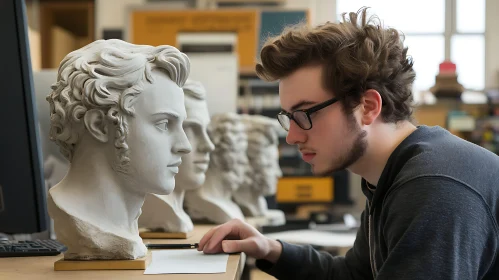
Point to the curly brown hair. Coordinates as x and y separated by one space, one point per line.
357 54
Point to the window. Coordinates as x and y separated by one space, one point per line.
427 52
470 16
468 53
435 30
467 46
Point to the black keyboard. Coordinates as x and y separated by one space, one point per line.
46 247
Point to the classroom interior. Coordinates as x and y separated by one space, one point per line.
453 43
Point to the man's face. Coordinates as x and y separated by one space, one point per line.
335 140
194 165
156 138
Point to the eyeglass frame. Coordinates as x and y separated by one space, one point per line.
307 112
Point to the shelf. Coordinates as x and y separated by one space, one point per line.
270 113
247 72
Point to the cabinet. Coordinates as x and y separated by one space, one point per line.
64 26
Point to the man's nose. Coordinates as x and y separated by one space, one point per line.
296 135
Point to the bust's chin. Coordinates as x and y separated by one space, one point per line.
192 182
230 180
198 180
162 190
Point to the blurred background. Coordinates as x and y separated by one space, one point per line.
454 46
453 43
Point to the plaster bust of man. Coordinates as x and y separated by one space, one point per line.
116 113
165 212
263 170
228 162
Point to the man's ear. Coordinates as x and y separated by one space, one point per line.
371 103
97 125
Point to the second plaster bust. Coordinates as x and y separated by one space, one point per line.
116 113
165 212
213 201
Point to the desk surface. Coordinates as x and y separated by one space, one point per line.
27 268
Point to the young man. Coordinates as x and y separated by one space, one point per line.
432 199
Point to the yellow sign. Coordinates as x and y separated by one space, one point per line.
161 28
305 189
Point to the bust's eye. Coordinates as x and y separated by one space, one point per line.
163 125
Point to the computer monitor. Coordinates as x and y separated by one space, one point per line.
22 193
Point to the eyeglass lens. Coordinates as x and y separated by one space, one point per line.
284 121
299 117
302 119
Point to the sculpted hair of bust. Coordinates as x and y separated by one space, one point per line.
228 133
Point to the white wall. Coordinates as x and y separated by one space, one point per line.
325 11
111 14
492 44
218 72
320 10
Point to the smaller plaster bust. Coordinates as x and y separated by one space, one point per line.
165 212
116 113
228 162
263 171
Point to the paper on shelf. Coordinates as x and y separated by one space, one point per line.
186 261
314 237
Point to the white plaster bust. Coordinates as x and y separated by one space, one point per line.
166 212
116 113
228 162
264 170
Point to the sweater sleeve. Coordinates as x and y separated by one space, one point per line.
437 228
304 262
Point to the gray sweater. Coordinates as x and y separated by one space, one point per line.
433 215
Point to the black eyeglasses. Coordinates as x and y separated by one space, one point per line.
302 117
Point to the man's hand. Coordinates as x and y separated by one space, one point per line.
238 236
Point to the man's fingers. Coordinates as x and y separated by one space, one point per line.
214 245
249 246
232 246
206 238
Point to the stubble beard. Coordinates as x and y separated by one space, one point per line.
356 151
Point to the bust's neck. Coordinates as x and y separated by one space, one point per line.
92 187
250 200
176 200
217 184
213 200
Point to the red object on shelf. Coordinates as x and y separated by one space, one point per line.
447 67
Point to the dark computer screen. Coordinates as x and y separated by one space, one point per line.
22 193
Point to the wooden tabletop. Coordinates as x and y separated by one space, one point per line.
28 268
